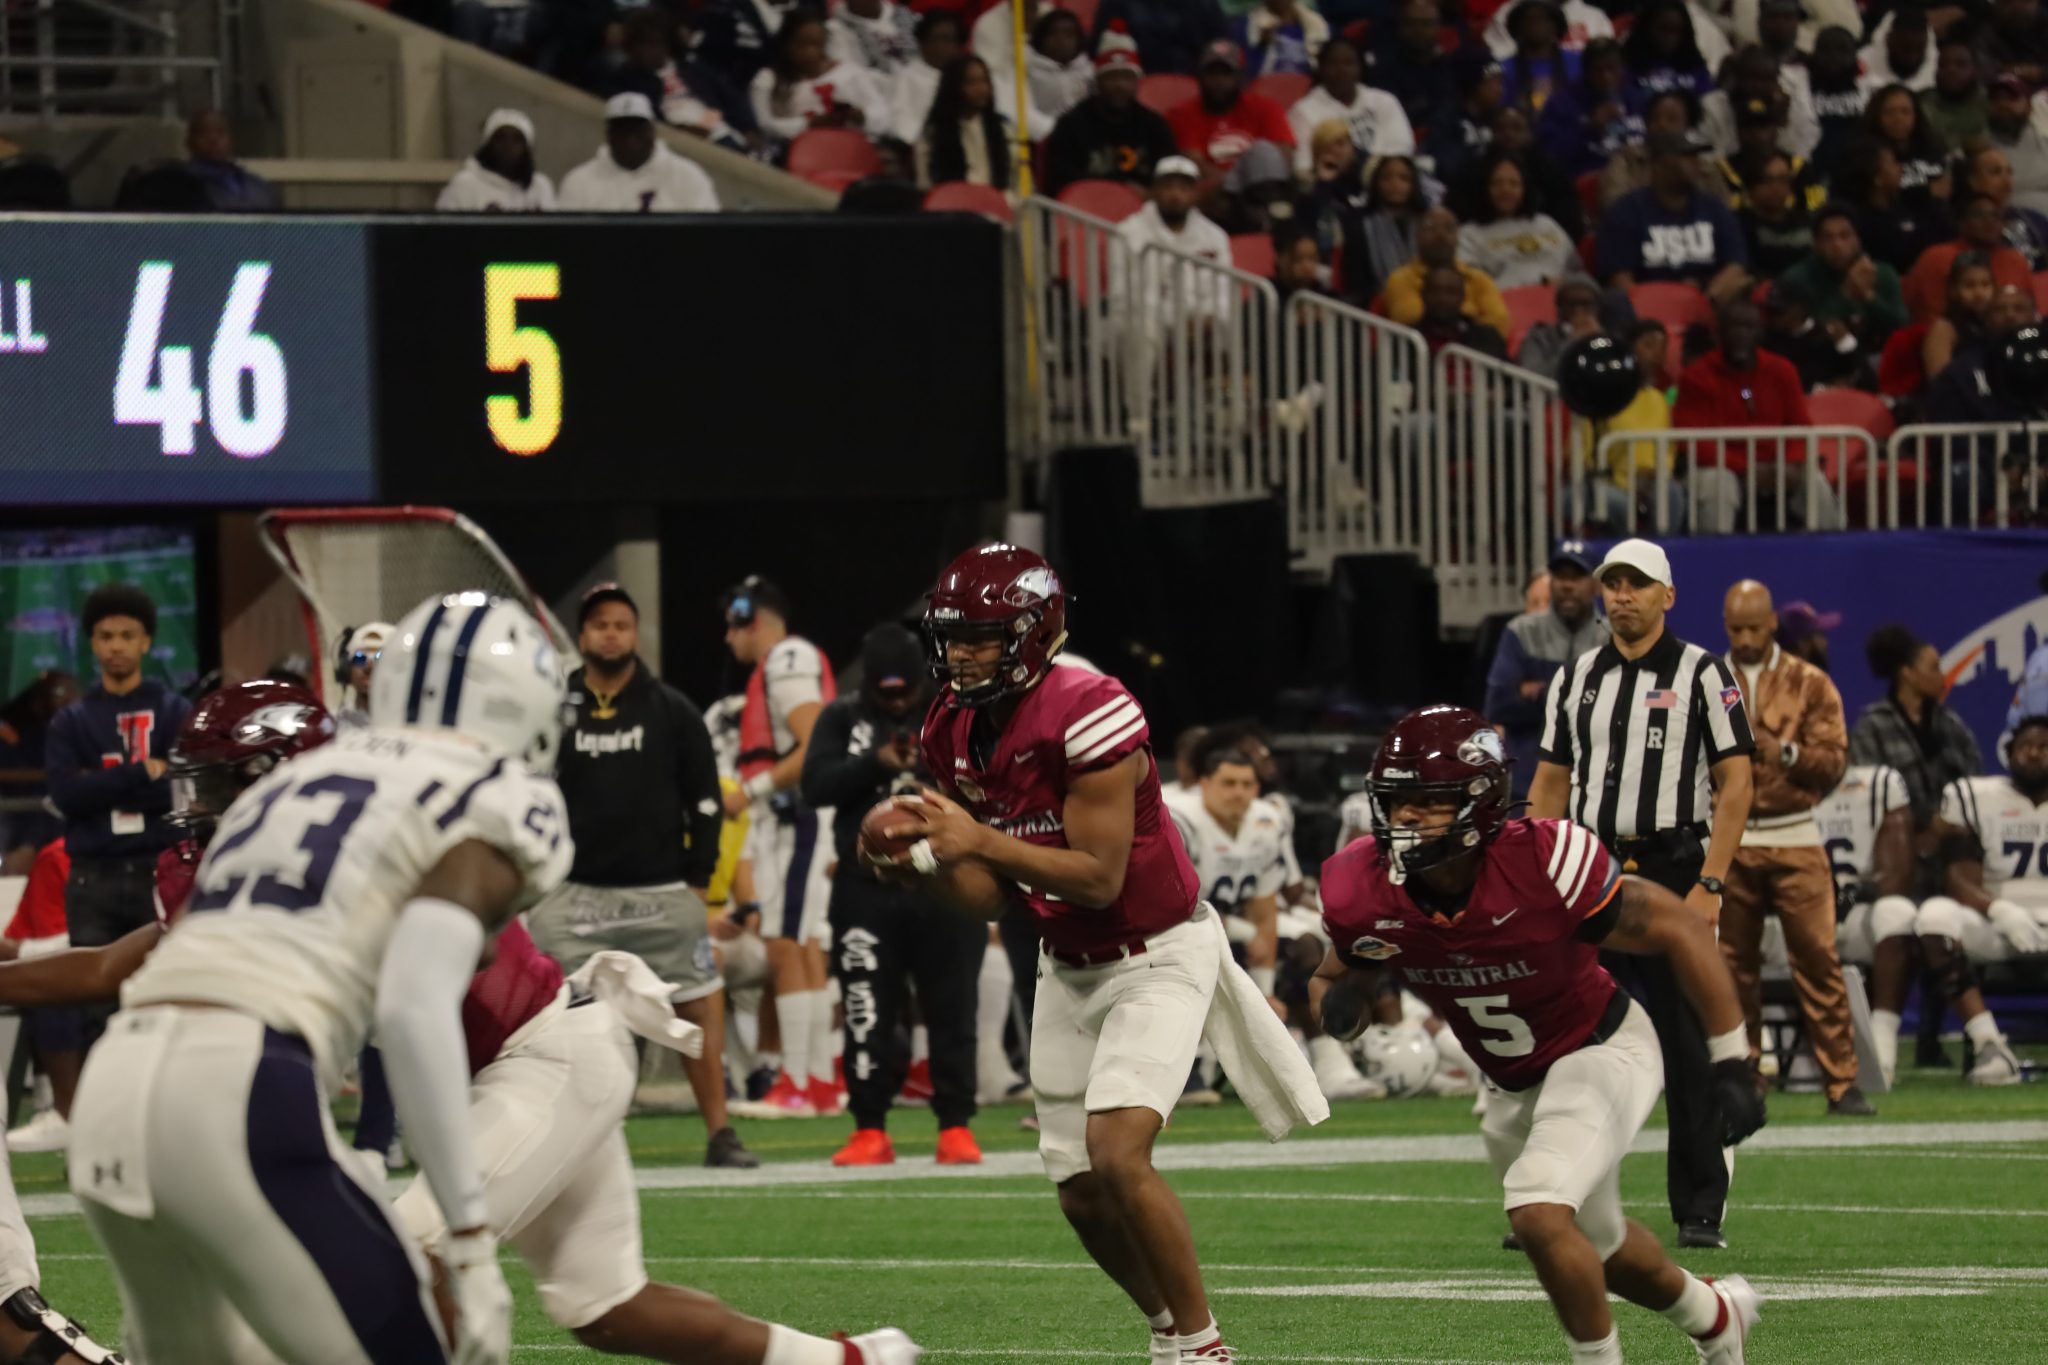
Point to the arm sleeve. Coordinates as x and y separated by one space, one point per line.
524 818
1864 745
1734 247
1888 309
1064 163
1957 807
1402 296
1487 304
833 774
1392 134
1615 248
1555 744
1106 728
1578 866
1724 721
697 782
79 785
427 966
1823 741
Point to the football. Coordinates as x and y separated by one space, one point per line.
875 837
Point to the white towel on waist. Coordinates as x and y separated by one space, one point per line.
640 999
1271 1076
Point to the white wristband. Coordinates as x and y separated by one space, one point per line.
922 858
760 786
1731 1046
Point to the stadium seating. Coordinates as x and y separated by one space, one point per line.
1589 195
833 149
1528 305
961 197
1848 408
836 181
1677 306
1108 199
1164 92
2041 290
1283 87
1252 252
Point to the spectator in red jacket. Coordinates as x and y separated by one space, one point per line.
1216 128
1738 384
56 1037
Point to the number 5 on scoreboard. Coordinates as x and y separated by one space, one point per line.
509 346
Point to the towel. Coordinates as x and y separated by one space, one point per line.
1271 1076
640 999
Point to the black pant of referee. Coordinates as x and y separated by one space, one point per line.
1696 1168
885 941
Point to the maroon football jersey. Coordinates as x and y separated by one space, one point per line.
1074 722
1508 972
505 996
176 867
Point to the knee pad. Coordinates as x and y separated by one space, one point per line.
56 1336
1892 917
1938 917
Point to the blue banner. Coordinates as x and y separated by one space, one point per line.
1975 595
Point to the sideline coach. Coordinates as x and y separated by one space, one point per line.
641 783
1632 732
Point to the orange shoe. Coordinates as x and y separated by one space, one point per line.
957 1147
789 1100
869 1147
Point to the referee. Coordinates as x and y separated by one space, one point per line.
1632 734
641 783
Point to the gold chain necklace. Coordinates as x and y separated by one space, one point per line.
605 709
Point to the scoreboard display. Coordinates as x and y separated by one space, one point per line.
291 360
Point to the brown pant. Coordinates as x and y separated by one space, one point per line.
1798 886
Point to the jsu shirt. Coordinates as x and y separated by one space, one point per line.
1071 724
1651 242
1511 971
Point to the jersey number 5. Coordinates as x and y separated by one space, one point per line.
321 842
1490 1012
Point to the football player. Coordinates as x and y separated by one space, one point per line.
1233 841
1051 796
1866 825
1997 884
1497 924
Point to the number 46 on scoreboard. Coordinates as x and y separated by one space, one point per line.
173 404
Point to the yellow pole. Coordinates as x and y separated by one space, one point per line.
1022 160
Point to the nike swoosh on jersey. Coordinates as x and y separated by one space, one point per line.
1499 920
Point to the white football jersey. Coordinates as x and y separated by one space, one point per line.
301 887
1850 815
2013 830
1280 807
1354 819
1234 869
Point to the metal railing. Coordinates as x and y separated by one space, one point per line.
98 56
1957 475
1712 480
1080 374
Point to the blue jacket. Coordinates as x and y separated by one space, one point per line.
95 756
1532 648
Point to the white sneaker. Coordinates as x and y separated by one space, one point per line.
46 1132
886 1346
1165 1348
1337 1078
1215 1353
1744 1306
1997 1064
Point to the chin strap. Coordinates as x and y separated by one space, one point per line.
56 1336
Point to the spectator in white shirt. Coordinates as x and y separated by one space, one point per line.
1378 124
500 176
1506 237
940 35
1060 70
1901 51
993 40
803 87
879 36
634 172
1171 220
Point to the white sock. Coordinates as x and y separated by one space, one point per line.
1606 1351
1983 1029
1195 1341
798 1012
920 1044
1697 1310
788 1347
993 1071
1162 1321
825 1036
1884 1032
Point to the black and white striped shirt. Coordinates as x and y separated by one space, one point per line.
1639 735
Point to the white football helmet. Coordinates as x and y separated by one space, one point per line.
1400 1057
478 665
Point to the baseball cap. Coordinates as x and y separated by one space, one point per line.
598 595
1798 620
1645 557
1223 52
1118 51
1571 554
629 104
1176 165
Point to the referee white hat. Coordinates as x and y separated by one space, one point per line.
1645 557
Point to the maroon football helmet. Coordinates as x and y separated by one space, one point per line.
996 592
236 735
1440 754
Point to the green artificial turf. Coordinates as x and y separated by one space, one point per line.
1899 1254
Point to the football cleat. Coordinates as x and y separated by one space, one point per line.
46 1132
786 1099
1165 1347
825 1098
1997 1064
1215 1353
56 1336
883 1346
957 1147
725 1149
1701 1234
1741 1306
867 1147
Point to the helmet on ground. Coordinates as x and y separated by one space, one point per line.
999 593
480 666
1400 1057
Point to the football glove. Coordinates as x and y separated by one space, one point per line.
483 1305
1347 1007
1742 1108
2018 926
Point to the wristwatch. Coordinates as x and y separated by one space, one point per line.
1713 884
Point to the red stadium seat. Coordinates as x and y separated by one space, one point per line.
1848 408
2041 291
1252 252
1167 91
1677 306
1111 200
1528 305
1589 252
1284 87
1084 10
960 197
1589 195
835 181
833 149
1356 30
